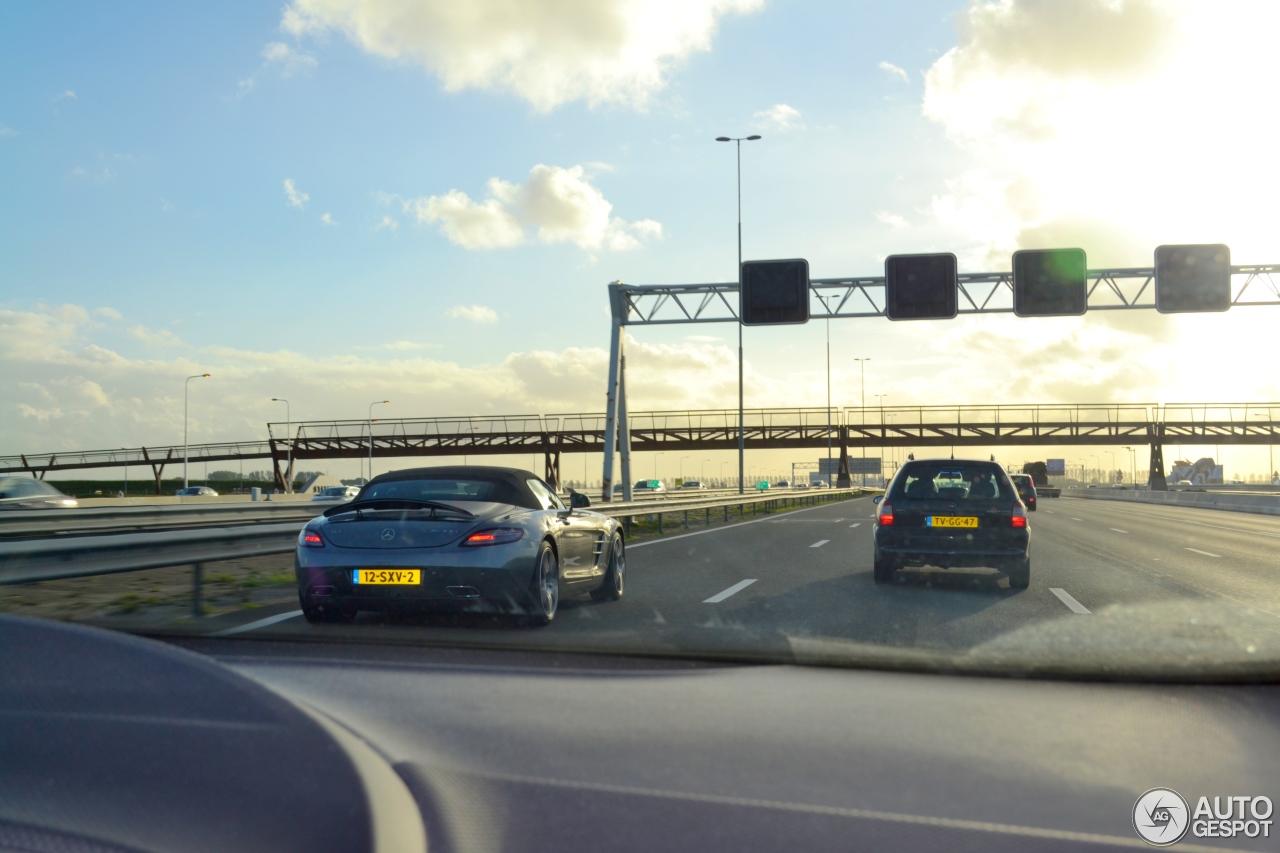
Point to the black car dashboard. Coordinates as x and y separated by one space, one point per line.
267 745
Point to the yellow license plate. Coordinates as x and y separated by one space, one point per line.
386 577
951 521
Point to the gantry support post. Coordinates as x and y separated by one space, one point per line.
618 307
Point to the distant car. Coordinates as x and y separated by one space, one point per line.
649 486
1026 489
1184 483
1092 486
1235 482
23 493
692 484
196 491
802 485
1117 485
782 484
819 484
951 513
336 493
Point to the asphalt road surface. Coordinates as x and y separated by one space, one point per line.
807 573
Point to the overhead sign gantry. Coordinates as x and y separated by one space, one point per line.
1042 283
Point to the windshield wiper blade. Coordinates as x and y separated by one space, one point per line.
398 503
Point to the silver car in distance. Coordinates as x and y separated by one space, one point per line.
466 537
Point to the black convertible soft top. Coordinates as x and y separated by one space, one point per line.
511 484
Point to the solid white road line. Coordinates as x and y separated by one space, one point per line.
819 543
856 524
737 587
261 623
631 545
1118 530
1206 553
1065 597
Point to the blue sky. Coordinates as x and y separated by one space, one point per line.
145 149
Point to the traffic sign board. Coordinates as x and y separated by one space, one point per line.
1193 278
1049 282
774 292
920 287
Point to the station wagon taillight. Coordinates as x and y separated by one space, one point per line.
885 519
1019 517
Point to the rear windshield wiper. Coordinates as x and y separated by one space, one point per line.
399 503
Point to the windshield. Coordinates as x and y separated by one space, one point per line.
763 317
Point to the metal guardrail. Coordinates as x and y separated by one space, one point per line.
26 561
28 523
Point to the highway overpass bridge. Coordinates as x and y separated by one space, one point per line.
851 429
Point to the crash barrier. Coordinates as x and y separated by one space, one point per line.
55 558
1237 502
763 502
95 517
30 523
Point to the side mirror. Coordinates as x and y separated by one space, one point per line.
578 500
877 499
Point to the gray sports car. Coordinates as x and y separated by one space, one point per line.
467 536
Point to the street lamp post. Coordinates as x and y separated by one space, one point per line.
738 140
186 389
371 405
862 382
1112 454
655 463
722 464
682 458
288 429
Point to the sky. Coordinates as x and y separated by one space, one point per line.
336 201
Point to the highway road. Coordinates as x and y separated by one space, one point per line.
1162 582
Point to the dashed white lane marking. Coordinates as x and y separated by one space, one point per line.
1065 597
819 543
1073 518
1049 511
737 587
261 623
1206 553
1118 530
856 524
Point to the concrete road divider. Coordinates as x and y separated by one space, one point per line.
1237 502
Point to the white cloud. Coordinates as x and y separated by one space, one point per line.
474 313
894 70
779 117
109 313
7 131
893 220
388 223
67 94
162 338
559 205
327 219
1033 90
287 59
293 196
403 346
548 52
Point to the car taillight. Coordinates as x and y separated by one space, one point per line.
310 539
493 536
1019 518
885 518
